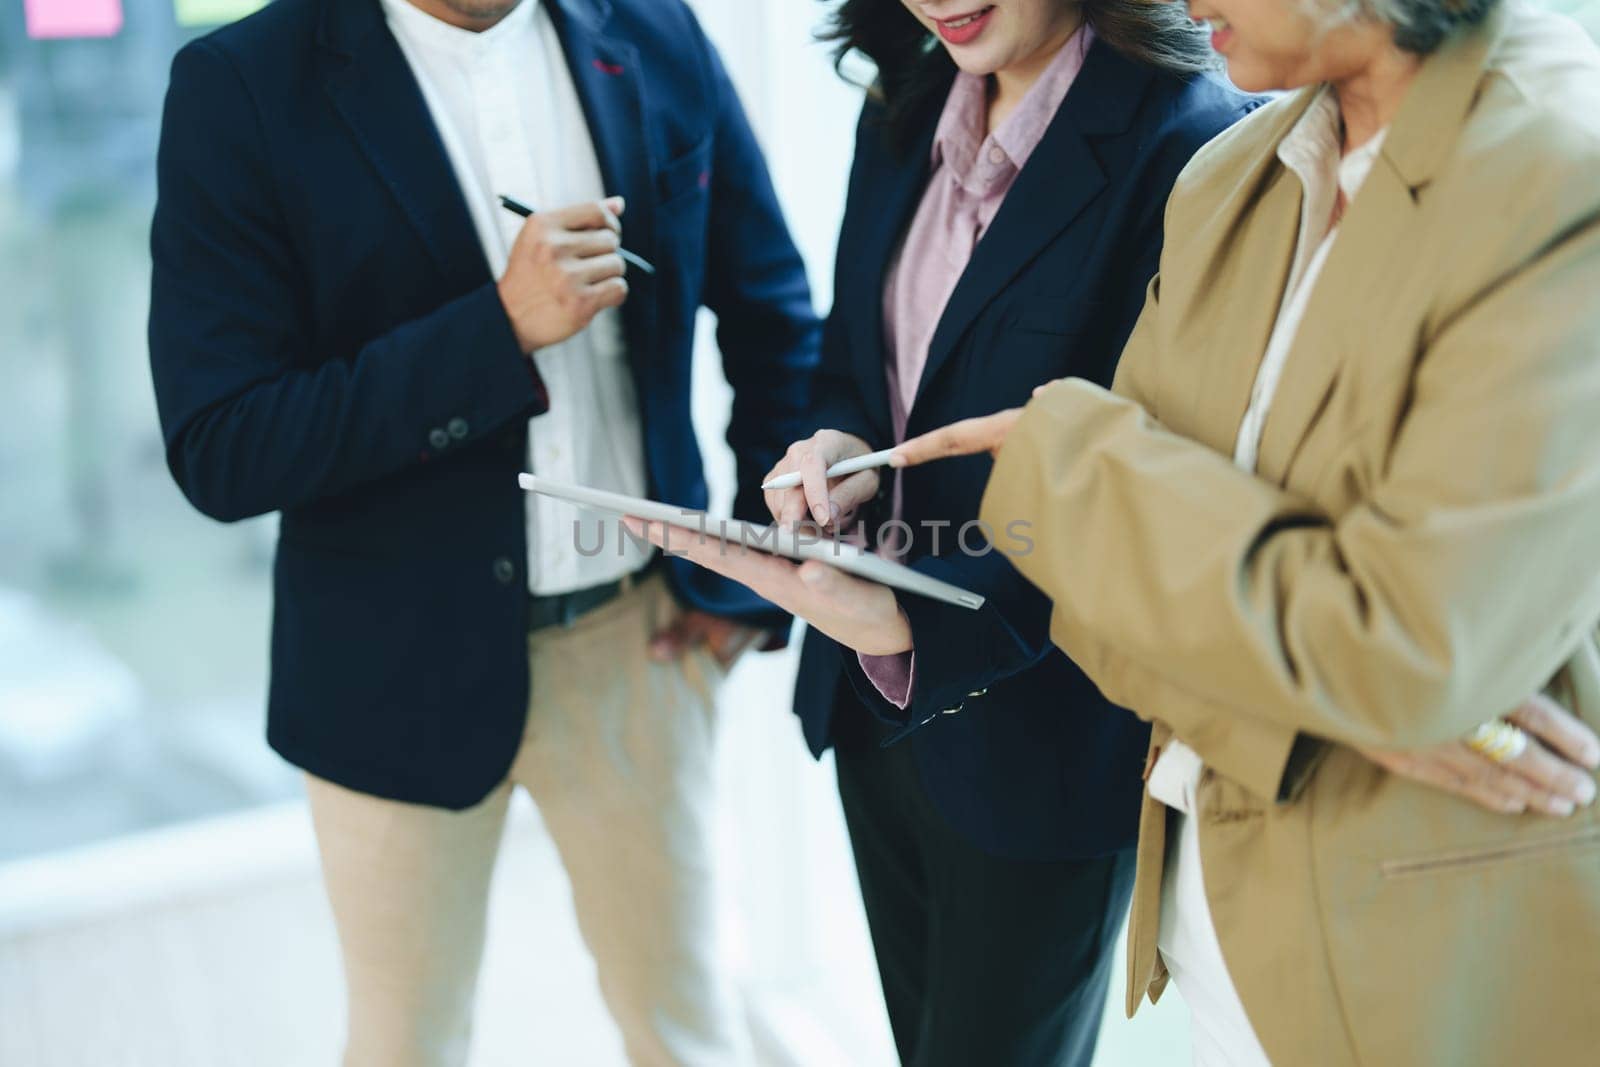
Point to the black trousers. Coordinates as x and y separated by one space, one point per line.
985 962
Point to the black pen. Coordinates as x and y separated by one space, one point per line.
517 207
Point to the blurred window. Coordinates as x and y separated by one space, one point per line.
133 632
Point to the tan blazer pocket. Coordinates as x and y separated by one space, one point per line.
1492 855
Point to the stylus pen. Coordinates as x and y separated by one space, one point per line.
838 470
519 208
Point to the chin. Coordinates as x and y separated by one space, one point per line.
977 63
482 9
1251 78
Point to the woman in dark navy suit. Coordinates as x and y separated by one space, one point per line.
1003 221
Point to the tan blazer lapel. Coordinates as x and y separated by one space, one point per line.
1347 292
1425 129
1250 264
1357 283
1265 251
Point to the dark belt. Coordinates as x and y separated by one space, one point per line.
564 609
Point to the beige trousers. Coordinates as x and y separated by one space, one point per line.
618 756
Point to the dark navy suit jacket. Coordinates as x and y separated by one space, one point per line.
1017 748
326 341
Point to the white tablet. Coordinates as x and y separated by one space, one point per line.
751 535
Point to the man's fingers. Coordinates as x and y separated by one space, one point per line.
535 229
728 640
677 637
586 215
1564 733
606 294
586 243
597 269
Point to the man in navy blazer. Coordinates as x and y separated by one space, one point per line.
340 331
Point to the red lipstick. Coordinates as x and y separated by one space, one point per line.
964 29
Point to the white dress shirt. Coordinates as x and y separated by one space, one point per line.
504 105
1222 1033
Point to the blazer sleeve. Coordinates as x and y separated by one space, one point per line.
254 420
767 329
1239 614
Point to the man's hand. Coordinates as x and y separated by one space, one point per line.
832 503
724 638
563 270
1554 775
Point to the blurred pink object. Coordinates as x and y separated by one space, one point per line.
72 18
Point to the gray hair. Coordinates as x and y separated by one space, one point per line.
1419 26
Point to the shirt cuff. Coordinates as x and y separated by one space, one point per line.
892 676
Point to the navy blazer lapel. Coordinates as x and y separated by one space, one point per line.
888 200
1060 179
374 90
606 73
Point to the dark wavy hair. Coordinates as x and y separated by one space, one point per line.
912 67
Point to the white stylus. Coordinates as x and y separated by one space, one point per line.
838 470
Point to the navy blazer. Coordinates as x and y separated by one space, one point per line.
1017 747
327 341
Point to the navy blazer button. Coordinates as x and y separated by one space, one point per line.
504 571
438 438
457 427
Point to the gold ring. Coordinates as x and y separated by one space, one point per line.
1498 740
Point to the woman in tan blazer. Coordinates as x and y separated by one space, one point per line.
1338 511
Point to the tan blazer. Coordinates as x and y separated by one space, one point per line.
1415 555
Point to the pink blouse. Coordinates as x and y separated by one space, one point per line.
971 175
